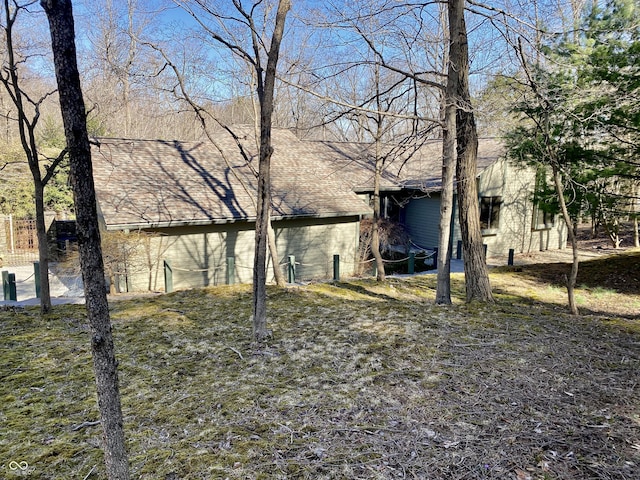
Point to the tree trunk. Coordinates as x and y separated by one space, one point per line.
43 249
60 16
26 128
375 245
278 274
375 227
573 276
443 285
477 283
635 213
260 332
265 96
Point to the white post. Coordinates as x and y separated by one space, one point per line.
11 233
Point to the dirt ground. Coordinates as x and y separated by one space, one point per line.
589 248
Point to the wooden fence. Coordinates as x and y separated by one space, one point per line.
19 241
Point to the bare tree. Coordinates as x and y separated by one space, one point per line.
545 114
443 284
112 37
477 283
265 90
524 33
248 19
60 15
458 123
382 92
28 113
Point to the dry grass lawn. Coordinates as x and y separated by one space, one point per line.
359 381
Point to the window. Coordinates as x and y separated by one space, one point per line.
542 218
490 212
545 204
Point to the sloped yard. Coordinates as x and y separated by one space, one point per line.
359 381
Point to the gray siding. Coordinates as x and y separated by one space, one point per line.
516 227
314 243
421 218
198 255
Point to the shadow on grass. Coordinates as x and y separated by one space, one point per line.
362 374
619 272
366 290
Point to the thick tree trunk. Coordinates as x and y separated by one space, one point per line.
265 95
443 285
476 275
59 13
573 276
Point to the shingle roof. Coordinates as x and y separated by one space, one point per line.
162 183
418 168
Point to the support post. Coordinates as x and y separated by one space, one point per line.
13 294
411 267
459 250
511 253
36 275
5 284
435 258
291 277
336 268
484 246
231 270
116 280
11 238
168 277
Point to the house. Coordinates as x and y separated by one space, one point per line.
195 204
411 186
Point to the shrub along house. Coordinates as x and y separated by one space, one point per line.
194 204
411 186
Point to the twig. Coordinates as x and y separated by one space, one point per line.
90 472
236 351
84 425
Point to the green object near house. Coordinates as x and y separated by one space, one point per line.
5 284
36 274
231 270
292 269
168 277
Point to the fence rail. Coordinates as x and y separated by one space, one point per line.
289 265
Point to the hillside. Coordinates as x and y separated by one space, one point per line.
359 380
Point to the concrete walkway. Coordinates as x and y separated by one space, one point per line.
68 288
64 288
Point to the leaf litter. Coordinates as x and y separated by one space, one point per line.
359 380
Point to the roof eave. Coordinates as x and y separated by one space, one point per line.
223 221
174 223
